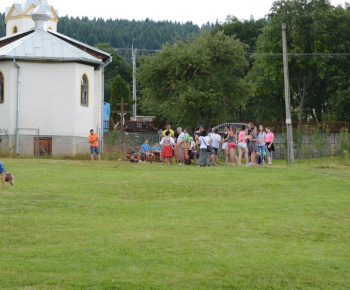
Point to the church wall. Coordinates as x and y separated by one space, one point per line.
47 97
24 24
8 108
84 115
97 93
50 100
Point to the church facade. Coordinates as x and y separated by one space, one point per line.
51 86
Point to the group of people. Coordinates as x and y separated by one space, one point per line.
252 142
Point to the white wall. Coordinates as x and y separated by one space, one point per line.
25 24
8 108
84 115
50 98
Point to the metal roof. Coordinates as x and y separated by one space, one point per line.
43 45
64 37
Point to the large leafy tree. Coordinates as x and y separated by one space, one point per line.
314 27
196 81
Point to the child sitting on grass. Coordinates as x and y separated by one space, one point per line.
5 177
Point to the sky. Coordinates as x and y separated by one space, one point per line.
197 11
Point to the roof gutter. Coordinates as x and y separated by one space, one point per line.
109 61
18 103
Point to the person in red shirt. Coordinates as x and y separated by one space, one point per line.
93 140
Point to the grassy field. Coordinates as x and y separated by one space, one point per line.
76 224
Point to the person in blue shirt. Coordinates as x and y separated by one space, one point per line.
145 151
156 148
157 151
5 176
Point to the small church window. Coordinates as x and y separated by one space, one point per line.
84 91
2 85
14 29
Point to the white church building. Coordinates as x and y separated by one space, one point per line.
51 86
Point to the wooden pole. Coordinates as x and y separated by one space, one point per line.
287 97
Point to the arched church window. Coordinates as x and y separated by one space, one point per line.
2 86
84 91
14 29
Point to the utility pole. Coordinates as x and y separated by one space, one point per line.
134 53
287 97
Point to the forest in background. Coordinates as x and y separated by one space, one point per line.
119 33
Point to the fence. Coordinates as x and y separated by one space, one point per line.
310 140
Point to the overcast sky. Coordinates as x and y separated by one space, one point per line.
197 11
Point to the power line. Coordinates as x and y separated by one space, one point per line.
272 54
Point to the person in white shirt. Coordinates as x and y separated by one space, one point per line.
204 154
215 143
181 144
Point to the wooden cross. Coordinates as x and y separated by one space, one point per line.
122 113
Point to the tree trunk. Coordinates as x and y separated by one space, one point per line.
210 115
302 93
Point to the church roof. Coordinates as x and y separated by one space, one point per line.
40 45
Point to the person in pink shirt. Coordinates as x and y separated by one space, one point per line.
242 145
269 144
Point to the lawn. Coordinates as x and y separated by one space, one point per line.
77 224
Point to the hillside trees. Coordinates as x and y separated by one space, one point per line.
196 81
119 33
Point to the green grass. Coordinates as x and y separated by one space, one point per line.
76 224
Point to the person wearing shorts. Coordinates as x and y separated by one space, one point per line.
269 144
215 143
231 145
242 146
5 176
93 140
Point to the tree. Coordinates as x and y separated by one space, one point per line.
314 27
196 81
120 90
119 66
246 31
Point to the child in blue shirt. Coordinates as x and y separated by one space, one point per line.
5 176
145 151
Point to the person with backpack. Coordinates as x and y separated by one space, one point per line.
204 149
